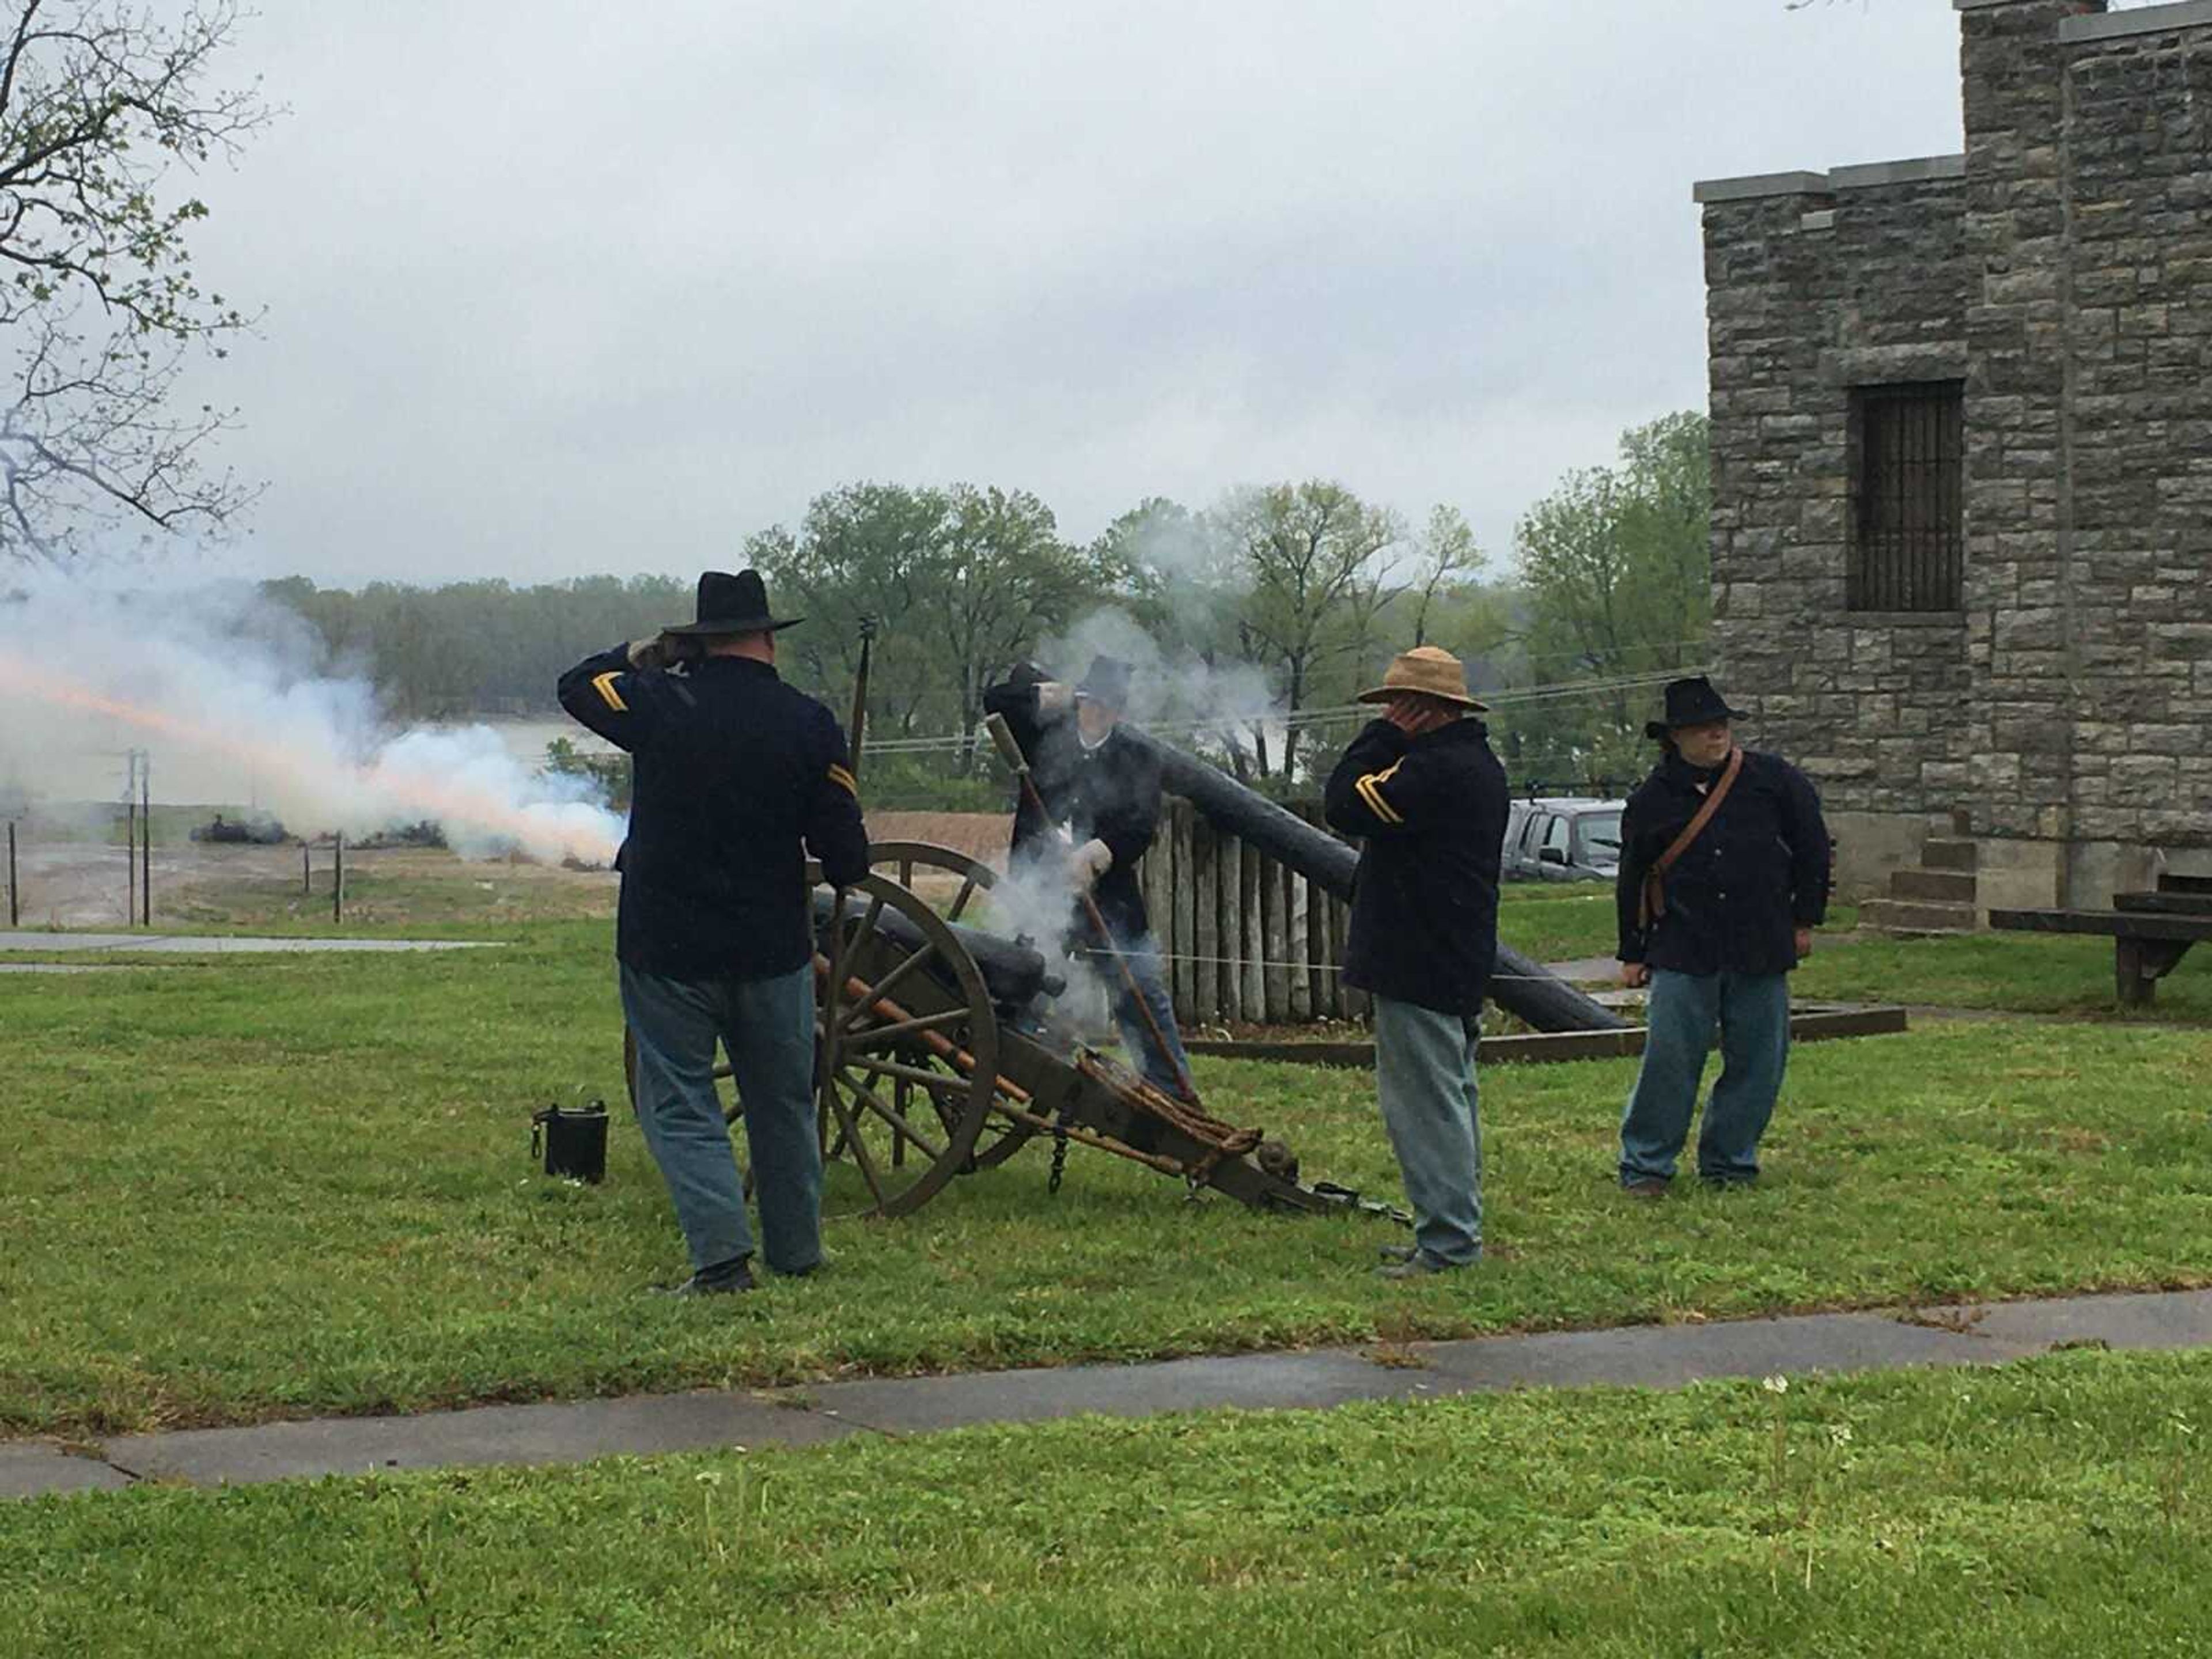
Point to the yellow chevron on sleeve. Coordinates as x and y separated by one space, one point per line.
845 780
1370 791
604 685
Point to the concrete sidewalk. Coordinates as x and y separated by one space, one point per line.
1645 1356
219 944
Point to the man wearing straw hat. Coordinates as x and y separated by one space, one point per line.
737 777
1422 791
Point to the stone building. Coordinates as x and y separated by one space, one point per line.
1962 470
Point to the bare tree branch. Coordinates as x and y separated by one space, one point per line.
101 102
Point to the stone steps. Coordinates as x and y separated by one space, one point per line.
1938 895
1934 886
1918 916
1950 853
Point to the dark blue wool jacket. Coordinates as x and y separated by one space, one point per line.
1430 812
1757 873
739 777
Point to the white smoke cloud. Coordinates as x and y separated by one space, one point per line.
229 696
1178 694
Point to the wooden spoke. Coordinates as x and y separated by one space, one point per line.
914 1076
899 1126
908 1038
883 986
877 1037
869 918
849 1135
960 901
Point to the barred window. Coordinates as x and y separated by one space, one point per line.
1908 529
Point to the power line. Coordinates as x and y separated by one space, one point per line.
1226 724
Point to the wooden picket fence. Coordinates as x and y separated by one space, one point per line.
1243 937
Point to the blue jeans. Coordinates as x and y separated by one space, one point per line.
768 1027
1424 1077
1163 1071
1753 1013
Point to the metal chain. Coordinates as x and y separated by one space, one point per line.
1059 1160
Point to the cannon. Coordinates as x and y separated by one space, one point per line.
1547 1002
941 1051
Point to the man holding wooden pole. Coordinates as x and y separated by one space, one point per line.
1092 800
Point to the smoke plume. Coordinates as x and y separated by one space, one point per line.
231 697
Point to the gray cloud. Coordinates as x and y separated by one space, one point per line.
556 288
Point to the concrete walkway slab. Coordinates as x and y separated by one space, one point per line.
1644 1356
1668 1356
2174 1319
33 1468
223 945
554 1433
920 1404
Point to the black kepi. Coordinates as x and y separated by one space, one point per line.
732 604
1693 702
1107 681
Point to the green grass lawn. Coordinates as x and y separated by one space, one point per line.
276 1187
2060 1506
1565 921
2024 973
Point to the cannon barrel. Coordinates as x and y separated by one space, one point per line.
1523 987
1015 974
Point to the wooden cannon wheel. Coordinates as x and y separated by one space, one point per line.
903 1093
906 1111
1001 1136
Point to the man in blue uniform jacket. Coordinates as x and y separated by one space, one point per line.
1724 870
737 777
1105 792
1423 792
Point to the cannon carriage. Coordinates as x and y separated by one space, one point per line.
941 1050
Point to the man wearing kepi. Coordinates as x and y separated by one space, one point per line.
1101 803
1724 868
737 777
1427 798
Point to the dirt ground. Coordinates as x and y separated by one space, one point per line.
86 883
981 836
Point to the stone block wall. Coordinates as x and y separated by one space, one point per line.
2062 269
1817 284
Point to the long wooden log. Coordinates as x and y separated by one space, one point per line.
1522 987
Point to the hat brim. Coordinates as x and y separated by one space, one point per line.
741 625
1655 729
1385 693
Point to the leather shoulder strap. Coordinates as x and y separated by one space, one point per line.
1654 903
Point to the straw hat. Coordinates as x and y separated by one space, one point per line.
1428 671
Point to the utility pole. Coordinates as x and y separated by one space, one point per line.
146 833
131 837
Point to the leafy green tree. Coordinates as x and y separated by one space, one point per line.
100 101
1311 560
1616 569
864 552
1002 580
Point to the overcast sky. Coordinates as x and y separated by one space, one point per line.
559 287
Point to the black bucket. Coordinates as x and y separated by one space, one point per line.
575 1143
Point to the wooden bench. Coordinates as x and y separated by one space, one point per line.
2150 931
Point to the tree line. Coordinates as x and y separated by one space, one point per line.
1266 606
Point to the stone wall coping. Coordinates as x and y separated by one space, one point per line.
1744 188
1895 619
1867 175
2144 20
